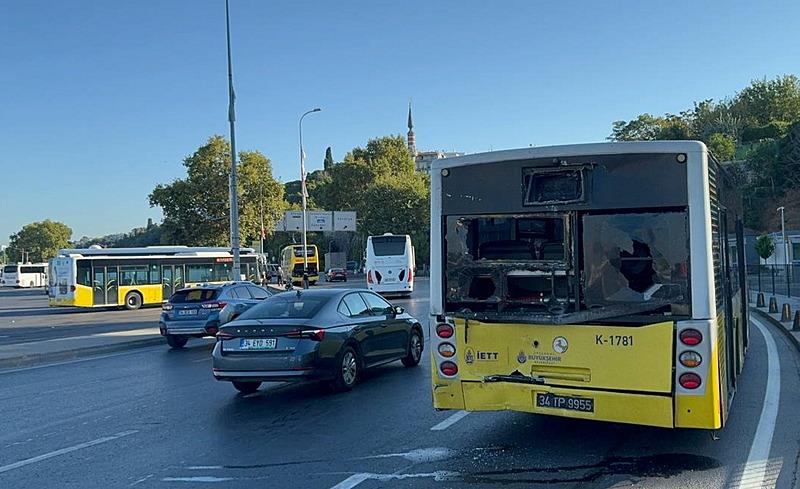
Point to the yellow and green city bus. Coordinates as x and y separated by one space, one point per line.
602 288
292 264
133 277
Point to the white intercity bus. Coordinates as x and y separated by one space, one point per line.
390 264
25 275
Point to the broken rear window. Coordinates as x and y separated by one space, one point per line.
636 258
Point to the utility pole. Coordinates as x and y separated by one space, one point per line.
234 200
304 196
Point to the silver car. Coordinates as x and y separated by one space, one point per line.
320 334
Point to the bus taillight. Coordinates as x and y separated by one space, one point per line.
689 381
690 359
691 337
72 288
369 276
448 368
444 330
447 350
410 275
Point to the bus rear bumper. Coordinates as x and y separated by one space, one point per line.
640 409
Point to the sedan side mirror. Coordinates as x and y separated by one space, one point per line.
398 310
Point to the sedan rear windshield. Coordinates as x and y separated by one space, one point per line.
194 295
277 307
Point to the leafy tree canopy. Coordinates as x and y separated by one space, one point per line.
196 208
39 240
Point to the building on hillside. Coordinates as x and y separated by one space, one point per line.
423 159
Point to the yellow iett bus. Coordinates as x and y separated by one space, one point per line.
133 277
603 288
292 264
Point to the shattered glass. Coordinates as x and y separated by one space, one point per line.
636 258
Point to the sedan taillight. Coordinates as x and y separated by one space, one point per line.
310 334
222 335
167 306
213 305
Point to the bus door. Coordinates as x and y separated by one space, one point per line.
172 280
105 286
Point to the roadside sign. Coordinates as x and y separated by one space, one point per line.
344 221
317 221
293 220
320 221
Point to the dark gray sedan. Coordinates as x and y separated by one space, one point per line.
320 334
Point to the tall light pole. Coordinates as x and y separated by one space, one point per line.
234 200
304 197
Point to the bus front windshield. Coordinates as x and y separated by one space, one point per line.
606 265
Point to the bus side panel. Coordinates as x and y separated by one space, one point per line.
151 294
705 410
83 296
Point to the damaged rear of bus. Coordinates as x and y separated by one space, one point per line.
590 281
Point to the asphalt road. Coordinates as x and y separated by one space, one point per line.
156 418
25 316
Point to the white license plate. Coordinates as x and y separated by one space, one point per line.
187 312
257 343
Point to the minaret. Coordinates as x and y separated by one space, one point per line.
412 143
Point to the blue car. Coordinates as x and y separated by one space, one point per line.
199 311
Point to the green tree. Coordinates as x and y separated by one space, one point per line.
722 146
401 205
39 241
765 101
328 163
765 246
644 128
196 208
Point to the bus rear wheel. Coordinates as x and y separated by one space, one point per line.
133 301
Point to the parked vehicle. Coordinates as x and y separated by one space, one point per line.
199 311
323 334
337 275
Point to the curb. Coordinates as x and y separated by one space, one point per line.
60 356
778 325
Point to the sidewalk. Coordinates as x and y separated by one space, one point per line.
794 304
60 349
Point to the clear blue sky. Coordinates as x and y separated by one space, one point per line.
100 101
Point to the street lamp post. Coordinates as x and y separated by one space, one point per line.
234 200
304 196
785 251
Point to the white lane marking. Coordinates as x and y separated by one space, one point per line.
45 456
356 479
143 479
420 455
352 481
450 421
204 359
755 469
78 360
205 467
204 478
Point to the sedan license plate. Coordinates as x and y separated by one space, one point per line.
257 343
187 312
548 400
